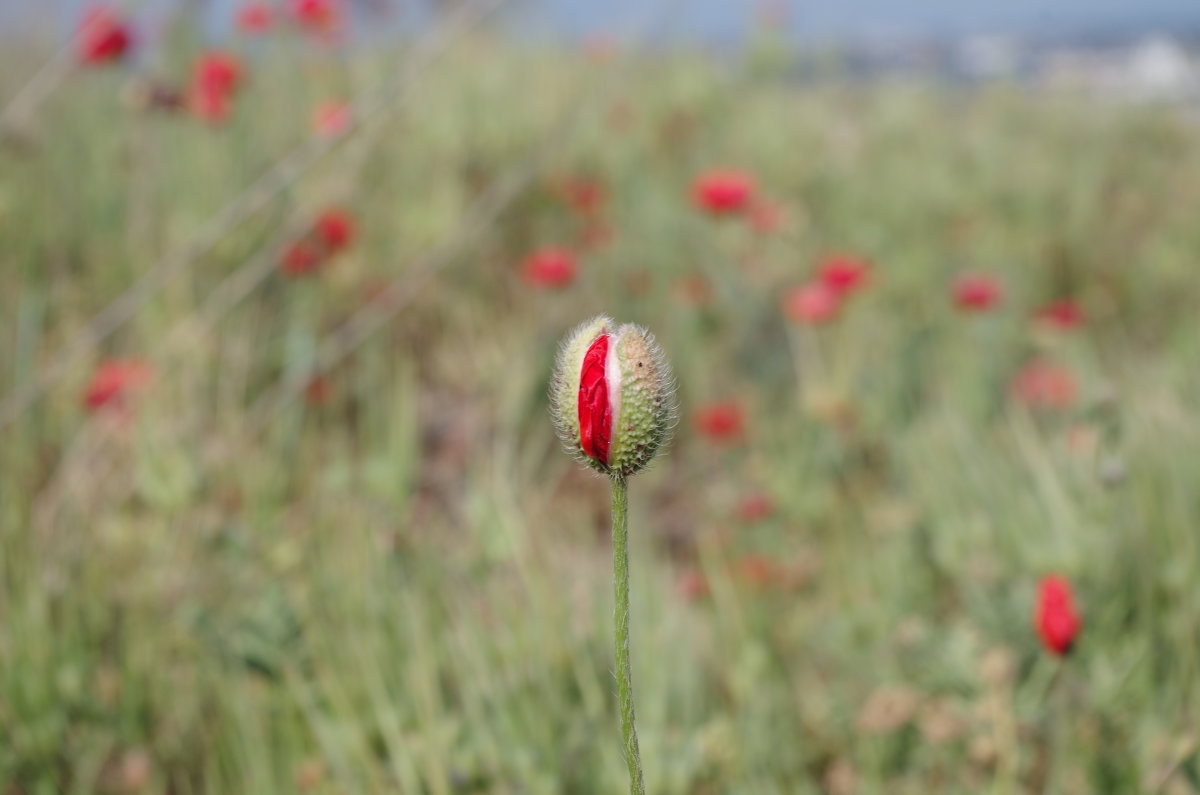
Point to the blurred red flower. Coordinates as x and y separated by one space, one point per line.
1055 617
755 507
300 258
549 267
217 71
103 36
721 421
977 292
723 191
331 119
255 18
332 232
215 78
113 381
1045 384
1061 315
319 16
844 273
812 304
335 230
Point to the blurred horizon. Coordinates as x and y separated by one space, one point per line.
722 22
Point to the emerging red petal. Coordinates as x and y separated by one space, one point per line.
1056 618
595 412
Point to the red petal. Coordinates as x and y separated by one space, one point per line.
595 414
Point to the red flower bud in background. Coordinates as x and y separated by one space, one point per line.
215 78
255 18
723 192
722 422
1062 315
113 383
844 273
217 71
335 230
1055 617
318 16
332 232
812 304
300 258
550 268
103 36
976 292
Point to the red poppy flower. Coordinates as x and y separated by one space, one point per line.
114 381
976 292
1062 315
215 77
812 304
755 507
317 15
335 230
217 71
723 191
844 273
103 36
1045 384
255 18
1055 617
549 267
300 258
331 119
722 421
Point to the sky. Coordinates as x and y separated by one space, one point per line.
728 20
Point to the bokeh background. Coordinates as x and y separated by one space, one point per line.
281 505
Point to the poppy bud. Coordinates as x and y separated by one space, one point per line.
1055 617
613 396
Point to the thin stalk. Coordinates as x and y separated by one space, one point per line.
620 534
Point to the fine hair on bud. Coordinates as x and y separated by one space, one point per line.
612 396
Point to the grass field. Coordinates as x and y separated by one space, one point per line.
324 538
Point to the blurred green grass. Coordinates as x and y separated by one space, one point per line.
405 588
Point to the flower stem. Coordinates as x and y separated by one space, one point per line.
620 534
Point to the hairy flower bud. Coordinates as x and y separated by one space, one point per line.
612 396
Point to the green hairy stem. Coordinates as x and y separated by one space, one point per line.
620 534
